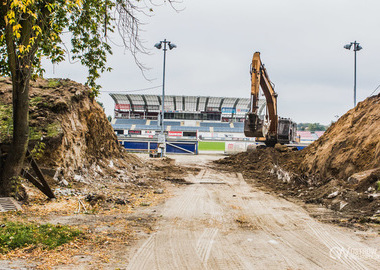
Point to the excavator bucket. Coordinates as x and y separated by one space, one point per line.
253 126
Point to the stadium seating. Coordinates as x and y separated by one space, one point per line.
185 113
131 121
239 125
121 126
172 123
208 124
225 129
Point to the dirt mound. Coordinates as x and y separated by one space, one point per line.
350 145
69 127
258 163
341 170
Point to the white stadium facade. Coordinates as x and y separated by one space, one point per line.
185 116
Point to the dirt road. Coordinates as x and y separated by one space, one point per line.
220 222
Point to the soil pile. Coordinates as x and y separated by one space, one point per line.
70 130
76 145
350 145
340 170
258 163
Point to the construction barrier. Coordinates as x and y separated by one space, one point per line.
172 146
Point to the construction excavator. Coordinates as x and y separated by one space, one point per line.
268 127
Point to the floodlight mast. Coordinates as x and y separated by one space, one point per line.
357 47
159 46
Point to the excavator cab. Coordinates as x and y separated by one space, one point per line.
287 131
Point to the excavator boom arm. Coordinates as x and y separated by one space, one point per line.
271 98
254 127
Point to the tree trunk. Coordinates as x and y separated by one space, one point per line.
15 159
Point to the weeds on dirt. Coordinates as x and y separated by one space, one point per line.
38 150
15 235
52 83
48 131
53 129
35 100
6 124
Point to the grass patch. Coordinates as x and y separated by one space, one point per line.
50 130
6 125
34 134
212 146
52 83
34 101
53 129
15 235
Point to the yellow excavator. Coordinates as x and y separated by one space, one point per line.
269 128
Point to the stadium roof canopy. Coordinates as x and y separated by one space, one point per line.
135 102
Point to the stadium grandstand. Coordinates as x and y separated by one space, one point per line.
188 121
185 116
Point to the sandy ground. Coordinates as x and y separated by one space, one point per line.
220 222
215 221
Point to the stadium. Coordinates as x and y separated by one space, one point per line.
191 123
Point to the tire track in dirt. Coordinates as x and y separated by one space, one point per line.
143 255
302 234
235 226
178 248
205 243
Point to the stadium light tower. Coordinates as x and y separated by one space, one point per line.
159 46
357 47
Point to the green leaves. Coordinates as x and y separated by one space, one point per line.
89 42
36 29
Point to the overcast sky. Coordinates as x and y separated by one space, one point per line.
301 44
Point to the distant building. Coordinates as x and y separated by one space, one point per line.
185 116
308 136
203 108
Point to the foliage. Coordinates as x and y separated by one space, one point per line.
52 83
49 131
15 235
38 150
32 29
311 127
6 127
34 101
53 129
35 133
